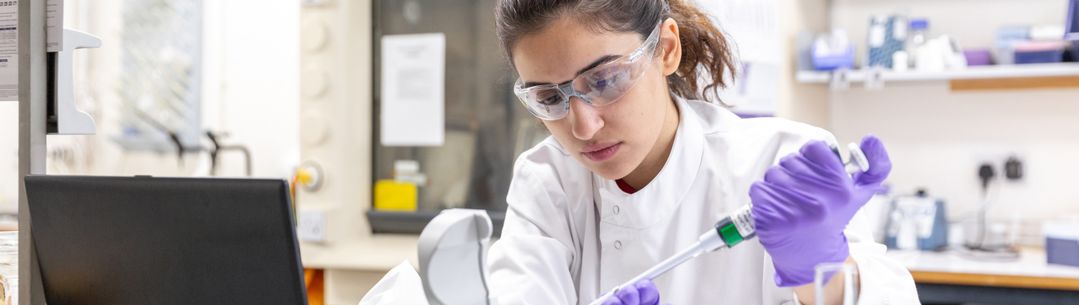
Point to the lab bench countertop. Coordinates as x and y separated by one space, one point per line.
380 252
1029 271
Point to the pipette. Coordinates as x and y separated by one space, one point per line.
729 231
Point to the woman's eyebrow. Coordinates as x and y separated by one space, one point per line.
600 61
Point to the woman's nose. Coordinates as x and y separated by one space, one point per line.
584 119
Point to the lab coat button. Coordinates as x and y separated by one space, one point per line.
617 209
618 244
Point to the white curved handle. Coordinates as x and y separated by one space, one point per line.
69 119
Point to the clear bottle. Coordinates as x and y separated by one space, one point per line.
919 34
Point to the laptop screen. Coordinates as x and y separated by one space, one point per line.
142 240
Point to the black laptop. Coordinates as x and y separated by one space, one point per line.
142 240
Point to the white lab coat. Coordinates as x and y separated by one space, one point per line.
570 235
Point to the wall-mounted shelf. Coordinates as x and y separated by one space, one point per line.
1058 75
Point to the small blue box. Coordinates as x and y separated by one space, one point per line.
1062 243
1039 57
832 62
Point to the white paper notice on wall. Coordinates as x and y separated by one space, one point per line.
413 90
54 25
9 50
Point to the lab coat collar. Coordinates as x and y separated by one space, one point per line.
657 201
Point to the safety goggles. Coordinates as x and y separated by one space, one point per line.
598 86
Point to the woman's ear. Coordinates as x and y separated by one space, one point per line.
671 45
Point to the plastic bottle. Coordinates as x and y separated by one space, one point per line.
919 34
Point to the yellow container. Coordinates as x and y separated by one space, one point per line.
392 195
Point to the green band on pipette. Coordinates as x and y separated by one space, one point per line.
730 235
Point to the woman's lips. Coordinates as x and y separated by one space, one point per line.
601 153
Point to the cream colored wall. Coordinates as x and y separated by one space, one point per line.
335 122
799 102
937 138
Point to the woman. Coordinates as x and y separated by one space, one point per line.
638 166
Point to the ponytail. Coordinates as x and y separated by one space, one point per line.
705 47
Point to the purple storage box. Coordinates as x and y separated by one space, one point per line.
978 57
1038 57
831 62
1061 243
1039 52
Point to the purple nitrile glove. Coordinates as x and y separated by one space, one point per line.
805 202
643 292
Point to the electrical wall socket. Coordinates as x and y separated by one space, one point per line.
312 226
997 157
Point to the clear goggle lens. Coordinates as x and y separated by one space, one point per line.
598 86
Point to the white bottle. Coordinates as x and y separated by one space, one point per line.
919 35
